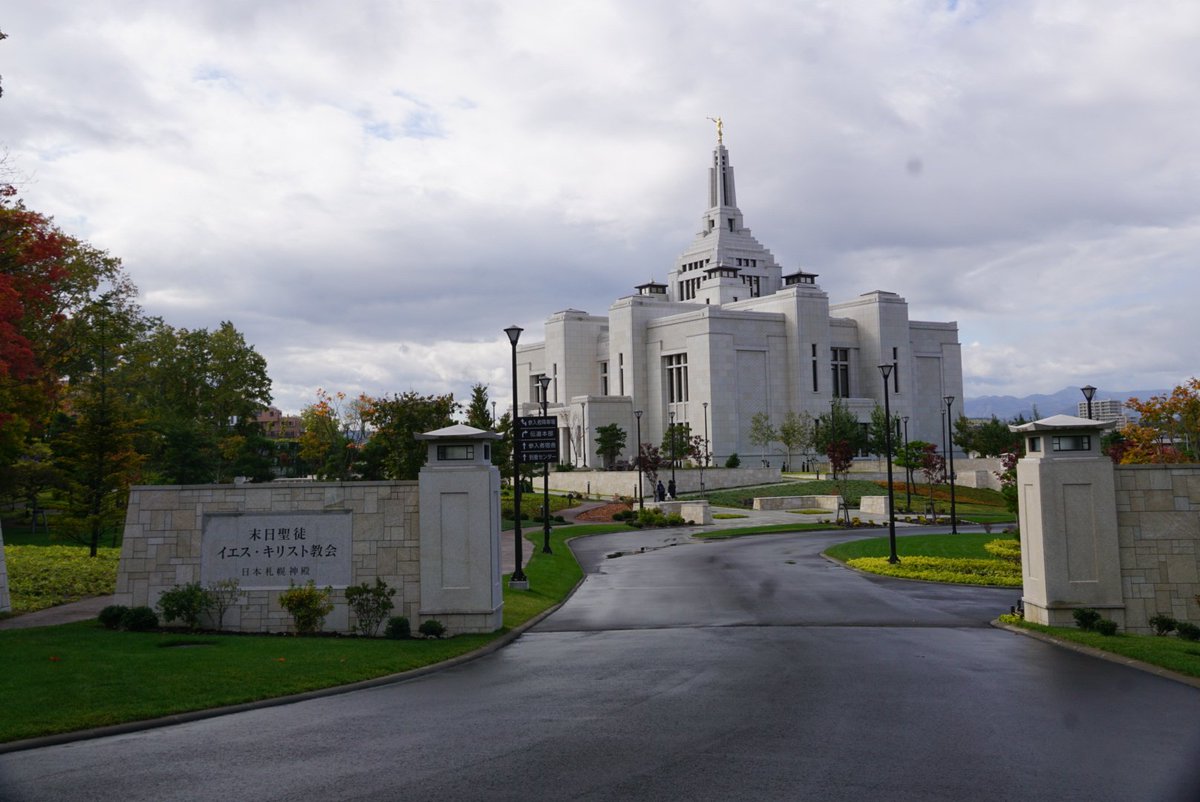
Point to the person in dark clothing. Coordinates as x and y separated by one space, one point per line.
671 489
660 492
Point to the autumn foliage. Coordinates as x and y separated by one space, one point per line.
1168 431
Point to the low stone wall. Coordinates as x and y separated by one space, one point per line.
874 505
698 512
624 483
266 536
1158 530
797 503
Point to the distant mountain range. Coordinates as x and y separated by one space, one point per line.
1006 407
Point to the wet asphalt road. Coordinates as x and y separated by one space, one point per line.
744 669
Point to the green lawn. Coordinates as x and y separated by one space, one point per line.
76 676
966 544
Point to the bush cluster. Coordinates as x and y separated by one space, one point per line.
308 606
1089 620
432 628
1005 549
370 605
191 602
130 619
398 628
652 517
1164 625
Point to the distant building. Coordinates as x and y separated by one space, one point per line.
730 335
1106 410
277 426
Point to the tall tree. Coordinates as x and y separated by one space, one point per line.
334 433
990 438
610 442
796 433
877 431
96 447
396 421
1173 422
677 442
839 436
762 433
479 414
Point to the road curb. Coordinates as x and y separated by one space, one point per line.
1091 651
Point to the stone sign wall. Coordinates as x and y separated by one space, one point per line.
269 536
1158 529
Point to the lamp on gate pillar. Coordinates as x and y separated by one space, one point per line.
907 470
671 435
518 579
641 503
950 453
545 382
1089 392
638 414
886 371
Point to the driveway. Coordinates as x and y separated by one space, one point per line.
742 669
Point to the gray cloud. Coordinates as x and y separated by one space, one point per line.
373 191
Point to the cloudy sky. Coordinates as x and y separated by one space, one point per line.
372 191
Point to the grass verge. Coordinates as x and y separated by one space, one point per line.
1171 653
768 529
957 559
78 676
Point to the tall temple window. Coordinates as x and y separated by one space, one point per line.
603 378
840 361
895 370
620 374
556 382
535 388
816 385
675 368
731 224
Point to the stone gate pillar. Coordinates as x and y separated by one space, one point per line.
1070 556
460 531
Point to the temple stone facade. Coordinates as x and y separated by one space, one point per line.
729 335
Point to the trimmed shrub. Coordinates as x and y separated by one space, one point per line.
1004 548
370 605
1106 627
1187 631
398 628
1163 624
432 628
733 461
308 605
139 619
1086 618
186 603
110 617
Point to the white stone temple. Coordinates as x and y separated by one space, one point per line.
730 335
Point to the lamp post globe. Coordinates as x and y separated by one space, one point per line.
1089 392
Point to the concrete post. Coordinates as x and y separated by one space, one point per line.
460 531
1070 556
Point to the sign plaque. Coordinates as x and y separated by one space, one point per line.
270 551
539 439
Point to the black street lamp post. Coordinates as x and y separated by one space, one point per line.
704 462
544 381
671 434
907 470
886 371
950 453
641 500
931 502
1089 392
518 579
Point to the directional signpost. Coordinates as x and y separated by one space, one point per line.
539 439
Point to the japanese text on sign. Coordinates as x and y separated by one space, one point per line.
266 551
539 439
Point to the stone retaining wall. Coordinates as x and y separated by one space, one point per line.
624 483
163 538
1158 530
797 503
